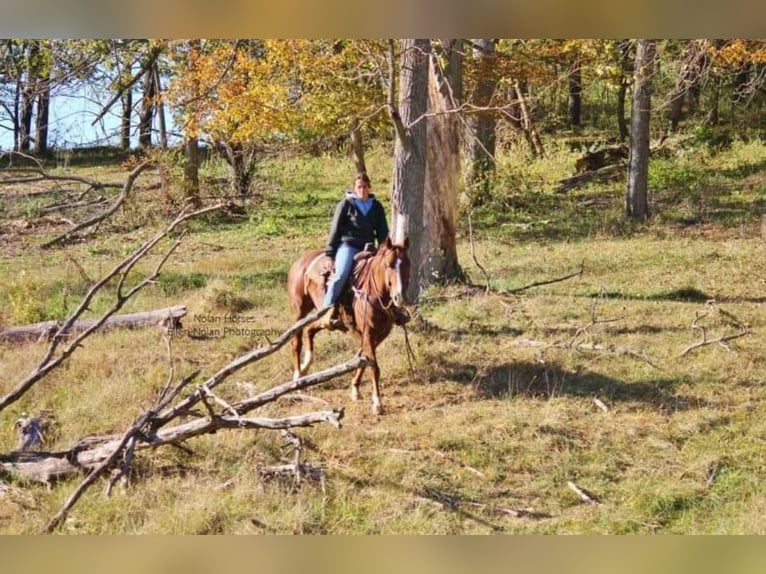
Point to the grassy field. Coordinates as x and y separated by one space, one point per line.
512 398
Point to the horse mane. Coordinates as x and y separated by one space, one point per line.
364 279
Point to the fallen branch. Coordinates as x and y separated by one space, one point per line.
584 496
451 502
577 273
601 175
167 318
723 340
472 289
50 361
126 188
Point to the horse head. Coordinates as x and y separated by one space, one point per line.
395 270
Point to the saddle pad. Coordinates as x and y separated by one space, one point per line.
318 271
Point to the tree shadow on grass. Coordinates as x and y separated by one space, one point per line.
546 381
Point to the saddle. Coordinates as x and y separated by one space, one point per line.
320 269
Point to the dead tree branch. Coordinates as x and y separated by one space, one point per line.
50 361
723 340
116 204
515 290
167 318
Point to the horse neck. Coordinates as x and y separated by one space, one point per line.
372 280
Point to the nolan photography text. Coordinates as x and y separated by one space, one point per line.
219 326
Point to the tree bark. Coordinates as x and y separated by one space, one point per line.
357 147
622 125
147 109
636 201
127 109
191 172
160 108
43 106
443 167
409 178
527 123
28 97
480 127
168 318
574 106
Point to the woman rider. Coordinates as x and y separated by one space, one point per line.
359 221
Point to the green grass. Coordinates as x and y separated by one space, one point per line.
500 411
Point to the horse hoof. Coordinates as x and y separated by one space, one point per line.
355 396
377 410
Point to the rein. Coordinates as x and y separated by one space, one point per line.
368 276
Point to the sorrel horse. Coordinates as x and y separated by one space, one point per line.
379 282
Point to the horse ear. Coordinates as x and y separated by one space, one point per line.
406 243
388 243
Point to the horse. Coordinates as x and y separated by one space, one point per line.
378 284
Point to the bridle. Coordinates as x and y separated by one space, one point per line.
369 275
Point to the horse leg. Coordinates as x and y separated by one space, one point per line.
302 306
308 356
377 406
355 382
368 351
297 344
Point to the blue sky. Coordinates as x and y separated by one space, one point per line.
71 116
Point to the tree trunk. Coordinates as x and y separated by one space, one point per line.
127 109
147 109
41 126
166 318
574 107
43 109
527 123
357 147
636 203
622 126
443 165
480 132
409 178
191 172
28 97
242 160
160 108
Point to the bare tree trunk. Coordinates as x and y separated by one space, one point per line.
409 178
242 160
191 172
574 106
622 126
357 147
28 97
443 164
160 108
480 133
43 114
147 109
527 123
127 109
636 201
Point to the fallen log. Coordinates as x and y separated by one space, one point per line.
90 452
603 174
596 159
165 318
